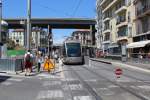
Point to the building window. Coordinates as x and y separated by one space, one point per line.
129 2
129 18
145 24
123 31
107 37
130 31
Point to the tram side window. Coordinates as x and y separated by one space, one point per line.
64 50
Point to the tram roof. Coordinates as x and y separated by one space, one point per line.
72 41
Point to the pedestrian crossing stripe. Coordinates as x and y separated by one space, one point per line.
83 98
48 83
76 87
14 79
50 94
6 83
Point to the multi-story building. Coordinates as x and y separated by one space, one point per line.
141 22
84 37
114 22
38 38
98 26
17 36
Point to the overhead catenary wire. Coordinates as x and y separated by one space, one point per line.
76 8
54 10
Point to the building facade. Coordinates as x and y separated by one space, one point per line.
115 25
84 36
141 32
17 36
38 38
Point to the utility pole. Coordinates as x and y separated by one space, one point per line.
48 40
28 24
0 21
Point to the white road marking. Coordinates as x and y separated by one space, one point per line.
15 79
6 83
47 83
93 80
83 98
62 73
47 75
146 87
50 94
113 86
106 91
76 87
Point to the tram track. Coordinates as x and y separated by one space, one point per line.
126 88
86 85
126 75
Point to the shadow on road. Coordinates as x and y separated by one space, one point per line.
3 78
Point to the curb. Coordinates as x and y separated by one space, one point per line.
106 62
127 66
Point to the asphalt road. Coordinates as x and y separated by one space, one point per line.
78 82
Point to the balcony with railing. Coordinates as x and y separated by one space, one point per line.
122 33
145 10
109 5
120 7
107 16
121 21
98 2
106 29
106 38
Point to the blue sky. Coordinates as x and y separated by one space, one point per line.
51 9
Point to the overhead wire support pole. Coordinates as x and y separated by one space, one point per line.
48 40
28 24
0 20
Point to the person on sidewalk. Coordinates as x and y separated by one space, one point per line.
61 61
39 61
28 62
48 64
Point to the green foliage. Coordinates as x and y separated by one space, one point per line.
10 44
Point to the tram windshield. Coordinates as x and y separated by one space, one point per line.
73 49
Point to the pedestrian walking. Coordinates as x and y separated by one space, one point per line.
28 62
60 61
56 57
48 64
39 61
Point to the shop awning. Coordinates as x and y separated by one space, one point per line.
138 44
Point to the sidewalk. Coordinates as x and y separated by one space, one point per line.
110 61
33 73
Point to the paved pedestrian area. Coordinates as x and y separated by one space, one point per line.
38 86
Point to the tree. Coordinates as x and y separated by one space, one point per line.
10 44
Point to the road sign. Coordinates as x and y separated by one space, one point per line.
118 72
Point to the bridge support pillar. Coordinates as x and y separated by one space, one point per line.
50 41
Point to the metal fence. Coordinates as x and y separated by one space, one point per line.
139 58
11 64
